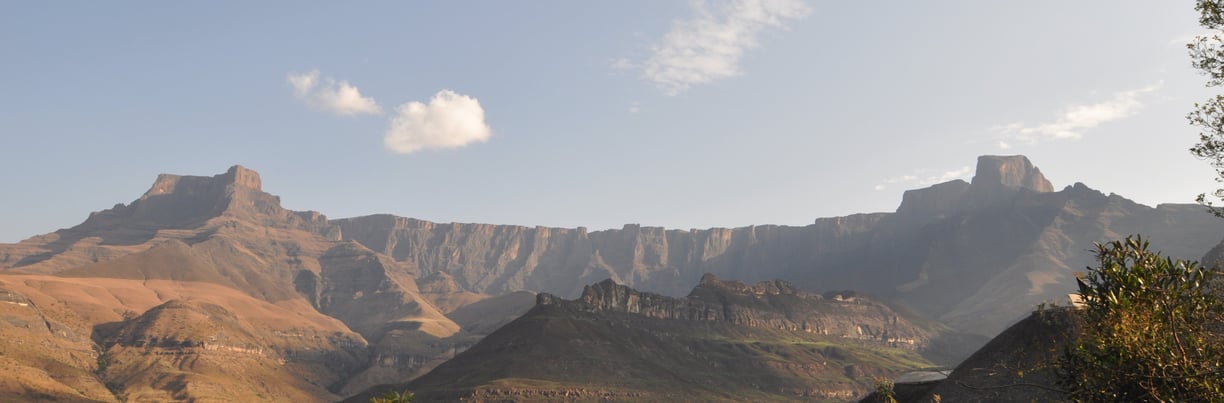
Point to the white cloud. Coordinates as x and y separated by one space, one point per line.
622 64
635 107
924 177
327 94
709 46
449 120
1075 119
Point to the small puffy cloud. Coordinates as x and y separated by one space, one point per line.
709 46
622 64
1075 119
449 120
327 94
924 177
635 107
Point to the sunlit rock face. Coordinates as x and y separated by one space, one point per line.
1012 171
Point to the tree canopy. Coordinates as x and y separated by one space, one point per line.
1207 55
1153 329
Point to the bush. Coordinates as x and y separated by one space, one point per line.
394 397
884 390
1152 329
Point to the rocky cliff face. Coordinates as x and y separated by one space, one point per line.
977 255
772 304
495 259
1010 172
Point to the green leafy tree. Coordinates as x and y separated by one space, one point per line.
1207 55
394 397
1153 329
884 390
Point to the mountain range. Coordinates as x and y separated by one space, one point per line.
206 288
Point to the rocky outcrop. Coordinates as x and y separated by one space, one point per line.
773 304
999 178
1009 172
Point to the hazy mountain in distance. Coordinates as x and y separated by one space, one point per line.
978 255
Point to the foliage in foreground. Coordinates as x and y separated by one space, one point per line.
1207 56
884 390
1153 329
394 397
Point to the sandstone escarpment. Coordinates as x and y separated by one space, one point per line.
977 255
771 304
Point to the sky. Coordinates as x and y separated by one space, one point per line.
683 114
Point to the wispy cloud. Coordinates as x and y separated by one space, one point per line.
709 46
635 107
622 64
924 177
327 94
449 120
1075 119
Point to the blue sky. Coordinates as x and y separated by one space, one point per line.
672 113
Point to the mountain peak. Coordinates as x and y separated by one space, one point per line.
997 172
239 175
178 200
